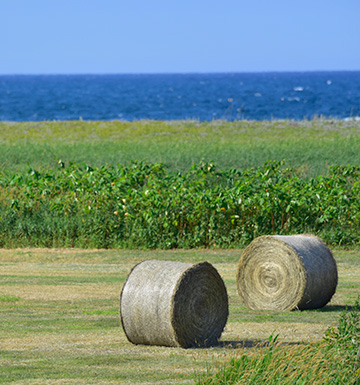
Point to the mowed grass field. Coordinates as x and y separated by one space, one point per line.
60 323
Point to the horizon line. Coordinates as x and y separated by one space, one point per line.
171 73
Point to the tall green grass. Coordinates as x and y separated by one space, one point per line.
334 360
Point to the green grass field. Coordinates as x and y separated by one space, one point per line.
59 308
311 144
60 324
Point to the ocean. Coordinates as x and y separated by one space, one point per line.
203 97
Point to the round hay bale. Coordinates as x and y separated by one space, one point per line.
174 304
286 272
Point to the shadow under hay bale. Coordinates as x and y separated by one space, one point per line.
174 304
286 272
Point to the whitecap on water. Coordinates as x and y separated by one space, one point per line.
352 119
258 95
328 82
295 99
298 89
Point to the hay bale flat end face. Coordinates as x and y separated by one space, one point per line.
286 272
173 304
200 306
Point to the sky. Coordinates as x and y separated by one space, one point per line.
178 36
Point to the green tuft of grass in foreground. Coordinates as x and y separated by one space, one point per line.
334 360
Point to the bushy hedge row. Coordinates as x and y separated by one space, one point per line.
146 206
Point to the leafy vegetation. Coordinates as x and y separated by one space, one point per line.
147 206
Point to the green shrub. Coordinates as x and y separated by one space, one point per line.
146 206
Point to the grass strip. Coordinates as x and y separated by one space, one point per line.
313 145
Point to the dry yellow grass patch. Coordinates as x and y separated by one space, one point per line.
288 331
89 342
64 292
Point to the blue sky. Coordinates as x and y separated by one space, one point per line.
178 36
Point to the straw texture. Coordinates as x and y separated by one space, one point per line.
174 304
286 272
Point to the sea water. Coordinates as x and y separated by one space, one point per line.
204 97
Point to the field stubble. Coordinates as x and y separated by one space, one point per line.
60 318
